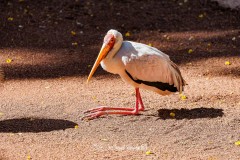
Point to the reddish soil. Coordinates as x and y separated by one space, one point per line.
45 91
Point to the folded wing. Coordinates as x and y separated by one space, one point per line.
153 68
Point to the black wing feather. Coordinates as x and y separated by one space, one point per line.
160 85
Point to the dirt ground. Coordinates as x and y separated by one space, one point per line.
47 50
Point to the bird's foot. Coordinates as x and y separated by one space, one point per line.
93 115
97 112
104 108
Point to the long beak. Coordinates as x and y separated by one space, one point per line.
102 54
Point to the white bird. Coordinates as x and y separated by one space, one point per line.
139 65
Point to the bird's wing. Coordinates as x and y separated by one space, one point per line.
153 66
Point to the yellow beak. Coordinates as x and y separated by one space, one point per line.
102 54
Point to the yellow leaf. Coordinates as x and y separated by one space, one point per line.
190 50
149 152
76 126
227 63
172 114
127 34
9 60
10 18
73 33
150 44
183 97
237 143
28 157
74 44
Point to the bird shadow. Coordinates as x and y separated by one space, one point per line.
34 125
189 113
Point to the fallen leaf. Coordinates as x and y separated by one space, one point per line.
10 18
150 44
76 126
227 63
190 50
200 16
127 34
149 152
8 60
183 97
28 157
237 143
74 44
172 114
104 139
73 33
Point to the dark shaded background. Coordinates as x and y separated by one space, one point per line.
42 30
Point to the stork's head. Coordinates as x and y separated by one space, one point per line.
111 39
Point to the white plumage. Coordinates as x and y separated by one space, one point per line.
139 65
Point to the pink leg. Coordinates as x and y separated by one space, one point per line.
140 100
97 112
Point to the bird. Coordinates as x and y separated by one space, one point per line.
141 66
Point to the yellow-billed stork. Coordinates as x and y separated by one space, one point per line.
139 65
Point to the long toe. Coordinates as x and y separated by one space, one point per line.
93 115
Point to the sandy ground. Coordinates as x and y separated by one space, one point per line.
45 92
38 119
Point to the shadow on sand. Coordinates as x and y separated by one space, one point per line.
190 113
34 125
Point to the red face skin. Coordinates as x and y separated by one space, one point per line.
109 40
